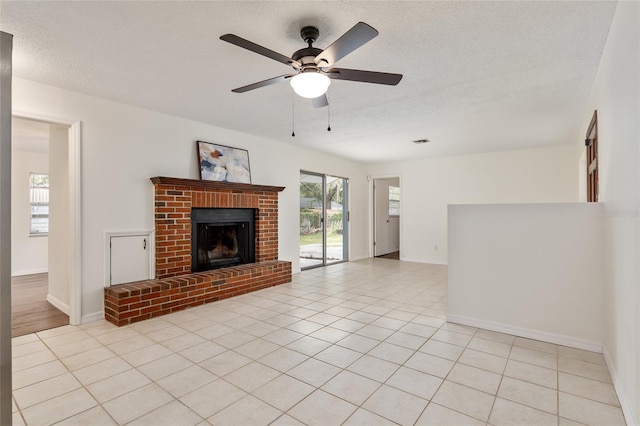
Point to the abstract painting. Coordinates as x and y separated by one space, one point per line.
223 163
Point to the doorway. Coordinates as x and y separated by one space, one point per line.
386 217
44 224
324 218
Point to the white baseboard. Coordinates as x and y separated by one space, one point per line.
544 336
432 261
29 272
96 316
627 410
422 260
58 304
416 260
354 258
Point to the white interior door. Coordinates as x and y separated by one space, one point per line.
129 259
381 201
393 240
387 227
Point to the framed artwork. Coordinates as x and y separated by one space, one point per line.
223 163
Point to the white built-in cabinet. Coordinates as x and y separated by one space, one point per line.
129 257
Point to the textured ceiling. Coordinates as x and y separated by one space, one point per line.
478 76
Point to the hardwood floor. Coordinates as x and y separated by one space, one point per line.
30 311
394 255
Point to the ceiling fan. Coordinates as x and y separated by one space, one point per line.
313 67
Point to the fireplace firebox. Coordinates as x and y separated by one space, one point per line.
222 237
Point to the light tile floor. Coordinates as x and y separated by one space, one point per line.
361 343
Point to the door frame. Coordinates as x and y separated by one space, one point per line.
347 222
372 209
75 208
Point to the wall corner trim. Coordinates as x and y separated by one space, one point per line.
95 316
627 410
58 304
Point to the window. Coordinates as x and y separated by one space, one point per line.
39 203
394 201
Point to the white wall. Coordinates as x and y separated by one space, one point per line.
28 253
532 270
59 240
123 146
540 175
616 96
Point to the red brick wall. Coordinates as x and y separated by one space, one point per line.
128 303
173 205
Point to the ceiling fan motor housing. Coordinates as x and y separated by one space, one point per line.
306 55
309 34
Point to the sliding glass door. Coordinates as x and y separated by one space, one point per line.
311 220
336 215
323 219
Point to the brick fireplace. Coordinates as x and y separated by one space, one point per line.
174 199
175 286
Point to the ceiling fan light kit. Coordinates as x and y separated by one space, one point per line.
312 73
310 84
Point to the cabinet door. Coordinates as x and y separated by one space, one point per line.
129 258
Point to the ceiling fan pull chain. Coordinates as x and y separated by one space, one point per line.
293 116
329 111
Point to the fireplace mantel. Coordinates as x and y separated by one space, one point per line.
208 184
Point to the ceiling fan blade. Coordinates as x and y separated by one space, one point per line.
320 101
260 50
358 35
364 76
263 83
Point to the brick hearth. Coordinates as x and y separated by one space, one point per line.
175 287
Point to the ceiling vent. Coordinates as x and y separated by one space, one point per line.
419 141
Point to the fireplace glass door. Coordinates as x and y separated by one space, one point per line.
323 219
219 245
222 238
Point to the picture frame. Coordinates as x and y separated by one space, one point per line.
223 163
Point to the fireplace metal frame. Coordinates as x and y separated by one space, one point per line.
222 217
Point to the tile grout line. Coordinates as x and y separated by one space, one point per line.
558 384
500 384
65 393
331 291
